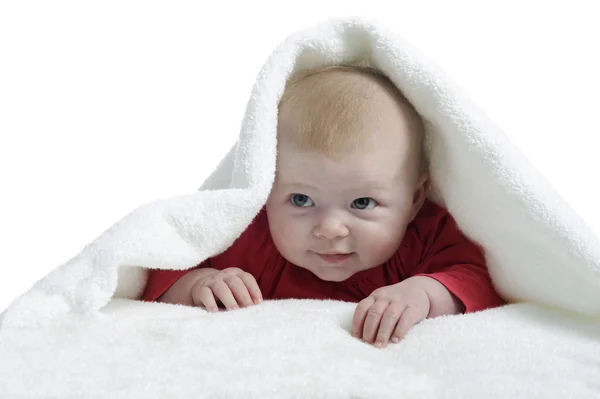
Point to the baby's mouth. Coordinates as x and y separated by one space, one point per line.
334 257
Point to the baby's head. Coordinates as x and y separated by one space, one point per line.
350 174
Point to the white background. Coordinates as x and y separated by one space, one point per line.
108 105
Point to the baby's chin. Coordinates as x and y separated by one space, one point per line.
333 279
331 273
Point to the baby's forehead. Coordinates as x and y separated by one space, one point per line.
370 168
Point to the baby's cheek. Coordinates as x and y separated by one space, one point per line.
383 242
284 233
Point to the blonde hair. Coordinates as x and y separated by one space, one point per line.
333 109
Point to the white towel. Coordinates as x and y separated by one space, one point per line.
300 349
538 249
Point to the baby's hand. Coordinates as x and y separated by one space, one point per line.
233 287
389 312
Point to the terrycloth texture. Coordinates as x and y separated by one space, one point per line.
538 249
301 349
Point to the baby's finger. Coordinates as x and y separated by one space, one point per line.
388 323
204 296
223 292
239 291
253 287
360 313
411 316
373 319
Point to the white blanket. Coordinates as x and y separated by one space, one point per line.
300 349
61 339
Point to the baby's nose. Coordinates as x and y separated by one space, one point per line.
331 228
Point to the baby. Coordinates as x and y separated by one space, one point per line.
347 218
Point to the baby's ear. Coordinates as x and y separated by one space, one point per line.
420 193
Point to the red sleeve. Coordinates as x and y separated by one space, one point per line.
237 255
159 281
452 259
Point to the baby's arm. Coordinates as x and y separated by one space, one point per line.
441 300
391 311
180 292
459 265
206 287
212 281
444 253
450 278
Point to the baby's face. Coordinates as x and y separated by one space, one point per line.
338 217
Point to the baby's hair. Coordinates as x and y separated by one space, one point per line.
332 111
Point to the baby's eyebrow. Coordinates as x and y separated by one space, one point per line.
362 190
294 184
372 184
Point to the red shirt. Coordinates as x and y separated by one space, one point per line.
432 246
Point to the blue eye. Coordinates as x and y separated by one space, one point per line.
301 200
364 203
